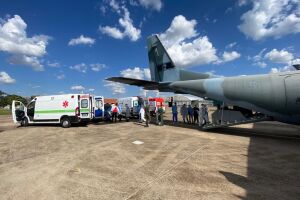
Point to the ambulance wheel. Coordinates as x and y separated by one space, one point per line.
24 121
65 122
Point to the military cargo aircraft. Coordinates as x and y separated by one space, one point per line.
246 98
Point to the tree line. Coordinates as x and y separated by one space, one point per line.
6 99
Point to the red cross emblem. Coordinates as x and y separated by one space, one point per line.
65 104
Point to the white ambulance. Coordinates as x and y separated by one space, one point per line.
55 109
134 104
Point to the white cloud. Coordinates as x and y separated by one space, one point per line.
271 18
97 67
77 87
151 4
281 56
112 32
259 56
126 23
60 76
24 50
261 64
5 78
53 64
295 61
242 2
91 89
136 73
31 61
14 40
282 69
81 40
180 30
229 46
229 56
147 74
184 51
116 88
82 67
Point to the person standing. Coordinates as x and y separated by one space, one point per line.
142 114
203 112
147 115
190 114
174 113
127 113
119 111
184 113
160 113
201 115
206 114
115 111
196 114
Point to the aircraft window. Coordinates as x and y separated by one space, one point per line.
84 103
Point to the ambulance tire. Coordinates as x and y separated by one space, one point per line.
24 121
65 122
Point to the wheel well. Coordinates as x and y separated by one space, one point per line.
64 116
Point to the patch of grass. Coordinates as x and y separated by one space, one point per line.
5 112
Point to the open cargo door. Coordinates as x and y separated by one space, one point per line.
99 107
18 110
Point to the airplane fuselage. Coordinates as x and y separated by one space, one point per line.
276 95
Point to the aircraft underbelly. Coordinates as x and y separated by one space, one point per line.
292 85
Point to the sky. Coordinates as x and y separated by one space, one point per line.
57 47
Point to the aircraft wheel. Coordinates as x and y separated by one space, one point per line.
65 122
24 121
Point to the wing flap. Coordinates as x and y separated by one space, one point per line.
149 85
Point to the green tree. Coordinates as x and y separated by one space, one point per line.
9 98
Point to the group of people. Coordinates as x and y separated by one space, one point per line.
145 116
191 115
114 111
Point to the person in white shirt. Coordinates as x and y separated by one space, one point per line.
142 114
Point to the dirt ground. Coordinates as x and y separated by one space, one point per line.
100 161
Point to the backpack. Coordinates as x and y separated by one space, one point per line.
115 110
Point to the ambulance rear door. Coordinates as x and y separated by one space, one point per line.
98 107
85 106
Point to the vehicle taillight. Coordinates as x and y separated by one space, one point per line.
77 112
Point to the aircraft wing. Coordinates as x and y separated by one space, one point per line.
148 85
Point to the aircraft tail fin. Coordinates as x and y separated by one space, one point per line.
162 68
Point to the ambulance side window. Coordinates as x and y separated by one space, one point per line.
84 103
99 104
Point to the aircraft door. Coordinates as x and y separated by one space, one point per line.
18 111
292 94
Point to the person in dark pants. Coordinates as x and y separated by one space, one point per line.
115 111
196 114
147 115
190 114
174 113
127 114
